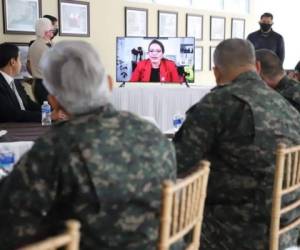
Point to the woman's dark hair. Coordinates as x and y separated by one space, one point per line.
159 43
8 51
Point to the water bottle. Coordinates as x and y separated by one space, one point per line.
7 160
177 121
46 114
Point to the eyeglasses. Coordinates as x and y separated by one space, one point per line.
155 50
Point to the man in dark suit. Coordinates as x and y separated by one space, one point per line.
15 104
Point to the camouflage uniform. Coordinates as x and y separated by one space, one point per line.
237 128
104 169
290 89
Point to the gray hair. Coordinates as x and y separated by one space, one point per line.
233 53
271 65
42 25
74 74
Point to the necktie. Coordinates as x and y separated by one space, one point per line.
13 86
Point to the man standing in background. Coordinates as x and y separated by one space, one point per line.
266 38
44 32
54 22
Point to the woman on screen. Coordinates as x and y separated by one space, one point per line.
156 68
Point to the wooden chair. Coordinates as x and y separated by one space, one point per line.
182 208
70 239
286 181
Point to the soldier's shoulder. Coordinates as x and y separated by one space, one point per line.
220 91
212 100
218 87
140 125
294 83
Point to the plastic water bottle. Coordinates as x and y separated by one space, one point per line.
177 121
46 114
7 160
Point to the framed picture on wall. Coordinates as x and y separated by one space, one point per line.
194 26
198 58
136 22
211 57
217 28
74 18
23 49
238 28
19 16
167 23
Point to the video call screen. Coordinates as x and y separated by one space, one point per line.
133 54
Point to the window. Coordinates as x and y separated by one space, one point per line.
235 6
140 1
238 6
174 2
209 4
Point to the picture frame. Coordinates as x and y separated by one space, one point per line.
211 57
19 16
167 23
136 22
23 49
238 28
194 26
74 18
217 28
199 58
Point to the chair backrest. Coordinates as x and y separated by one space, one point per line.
286 181
69 240
182 208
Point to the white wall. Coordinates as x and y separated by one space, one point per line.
286 22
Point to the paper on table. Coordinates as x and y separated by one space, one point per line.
3 132
18 148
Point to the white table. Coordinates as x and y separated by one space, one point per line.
161 102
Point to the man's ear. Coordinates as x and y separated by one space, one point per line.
110 82
12 61
218 74
258 67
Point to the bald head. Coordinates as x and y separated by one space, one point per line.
234 53
270 64
233 57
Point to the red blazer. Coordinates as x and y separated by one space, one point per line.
167 71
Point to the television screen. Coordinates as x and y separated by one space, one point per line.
148 59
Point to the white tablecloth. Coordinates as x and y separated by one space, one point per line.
161 102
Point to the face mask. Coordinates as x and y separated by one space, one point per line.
55 32
265 26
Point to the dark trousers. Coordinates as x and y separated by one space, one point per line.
39 91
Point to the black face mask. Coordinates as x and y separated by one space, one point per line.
265 26
55 32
